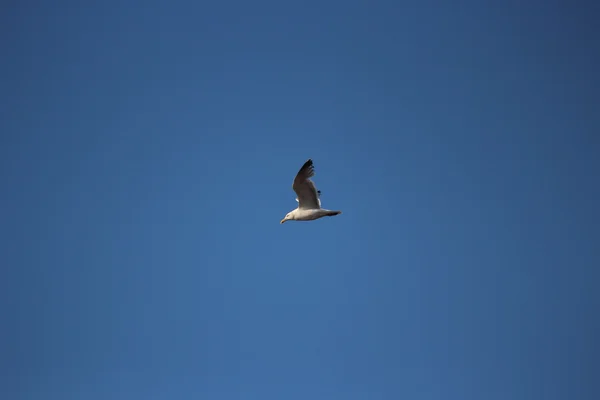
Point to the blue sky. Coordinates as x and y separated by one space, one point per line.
147 151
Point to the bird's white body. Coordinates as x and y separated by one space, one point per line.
309 202
309 215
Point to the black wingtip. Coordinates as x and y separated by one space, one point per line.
308 163
308 168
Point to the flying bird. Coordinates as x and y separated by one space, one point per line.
309 202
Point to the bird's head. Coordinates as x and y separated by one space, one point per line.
287 217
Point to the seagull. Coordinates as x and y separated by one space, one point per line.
309 202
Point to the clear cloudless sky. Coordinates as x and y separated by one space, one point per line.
147 151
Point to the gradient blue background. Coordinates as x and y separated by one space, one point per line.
147 152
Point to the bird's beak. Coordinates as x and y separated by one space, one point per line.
282 221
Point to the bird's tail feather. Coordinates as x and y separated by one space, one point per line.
331 213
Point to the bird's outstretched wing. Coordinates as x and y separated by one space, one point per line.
319 194
308 198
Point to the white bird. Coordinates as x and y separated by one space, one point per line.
309 202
